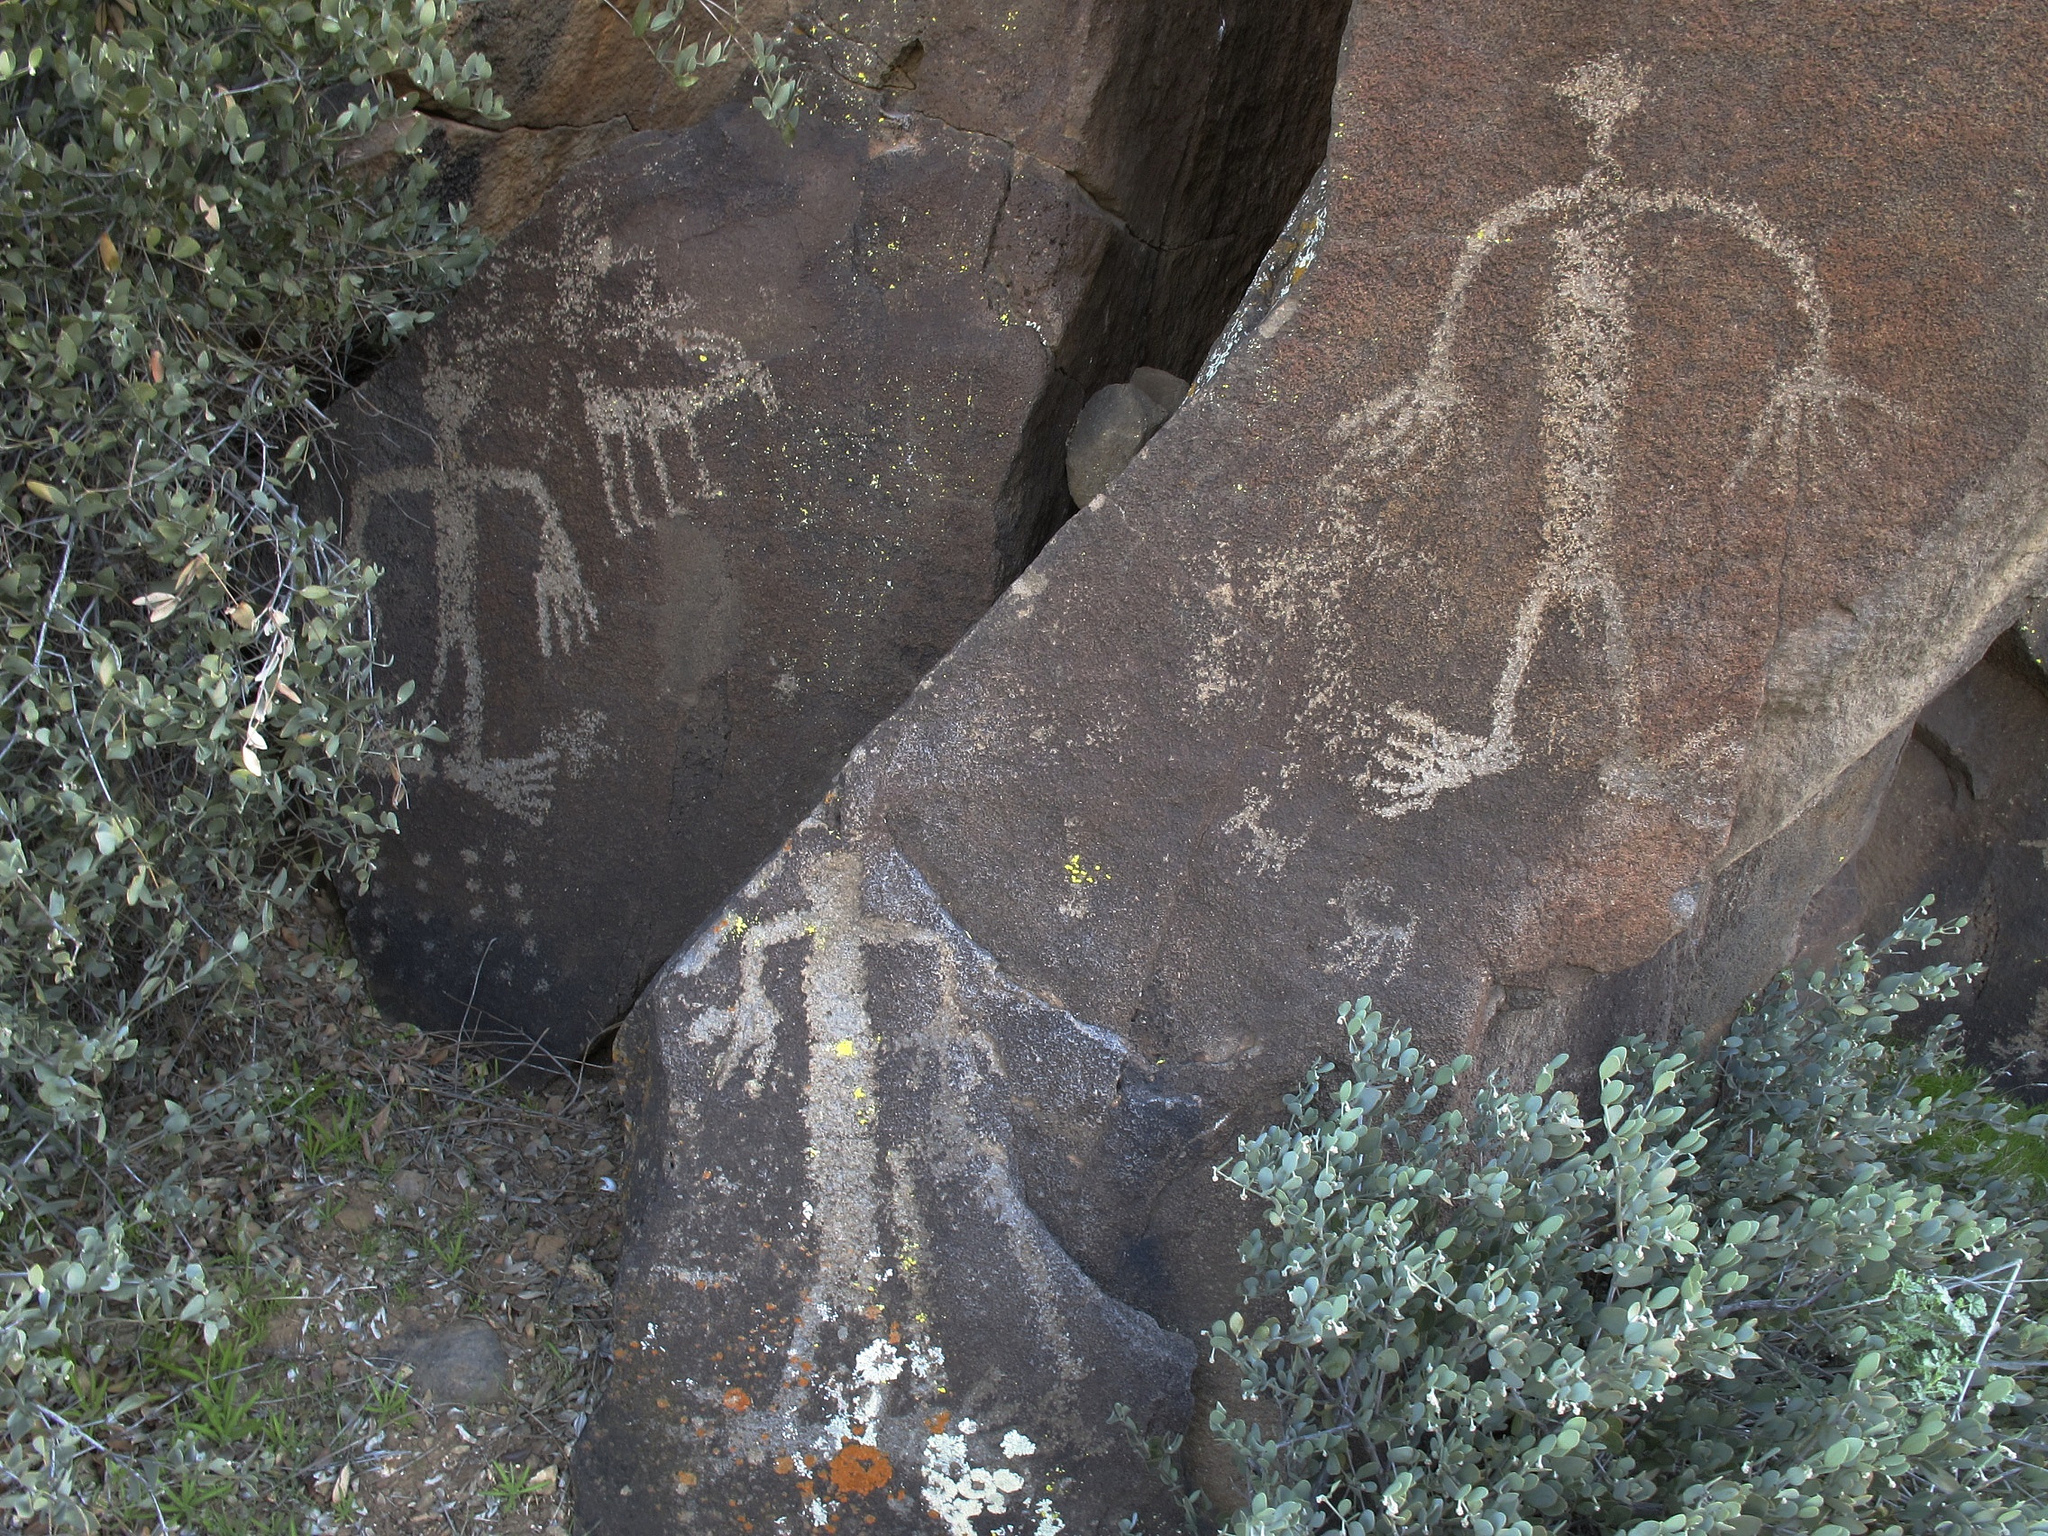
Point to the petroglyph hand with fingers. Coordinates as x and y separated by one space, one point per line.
1809 413
1586 338
566 613
625 421
1402 423
1431 758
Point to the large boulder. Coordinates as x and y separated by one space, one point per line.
1965 820
1639 424
730 442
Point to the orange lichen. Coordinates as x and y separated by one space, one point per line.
859 1468
937 1422
736 1400
686 1479
784 1465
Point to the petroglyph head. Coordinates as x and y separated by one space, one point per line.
1602 93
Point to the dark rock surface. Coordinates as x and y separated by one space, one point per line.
1637 427
727 445
1965 820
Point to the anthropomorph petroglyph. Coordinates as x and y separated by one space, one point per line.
1585 337
844 907
624 419
461 492
565 614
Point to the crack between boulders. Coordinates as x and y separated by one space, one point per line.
445 120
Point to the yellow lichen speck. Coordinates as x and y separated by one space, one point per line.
1083 874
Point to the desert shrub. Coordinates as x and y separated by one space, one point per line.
688 37
190 729
1789 1287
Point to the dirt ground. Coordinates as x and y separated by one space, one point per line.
448 1232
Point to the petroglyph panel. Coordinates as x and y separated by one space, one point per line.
1814 419
674 503
1623 371
842 1072
726 445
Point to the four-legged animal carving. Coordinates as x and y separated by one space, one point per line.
634 417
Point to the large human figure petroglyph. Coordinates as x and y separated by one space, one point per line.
565 613
846 903
624 420
1586 335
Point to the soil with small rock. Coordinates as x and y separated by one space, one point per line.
450 1259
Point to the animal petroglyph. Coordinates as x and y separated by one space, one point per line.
1586 335
629 421
625 420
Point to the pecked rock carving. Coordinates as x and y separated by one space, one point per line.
728 443
1082 909
1585 340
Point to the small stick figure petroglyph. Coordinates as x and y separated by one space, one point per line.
1585 338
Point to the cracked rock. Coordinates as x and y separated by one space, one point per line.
725 446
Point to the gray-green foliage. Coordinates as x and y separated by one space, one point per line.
189 728
1792 1288
691 36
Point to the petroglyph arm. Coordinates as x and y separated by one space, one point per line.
1387 433
1811 408
565 614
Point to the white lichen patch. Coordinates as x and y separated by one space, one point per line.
956 1490
879 1364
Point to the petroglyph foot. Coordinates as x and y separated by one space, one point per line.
1810 412
523 787
1433 758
